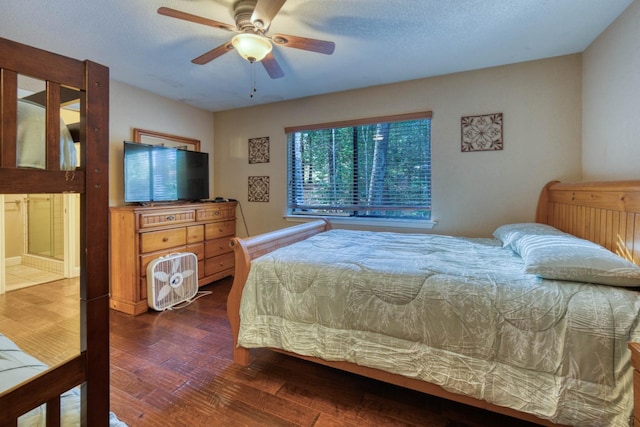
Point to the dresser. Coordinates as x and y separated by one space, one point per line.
141 234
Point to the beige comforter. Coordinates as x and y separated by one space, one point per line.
451 311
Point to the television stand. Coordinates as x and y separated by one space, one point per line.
140 234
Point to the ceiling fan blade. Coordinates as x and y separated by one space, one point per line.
264 12
195 18
313 45
213 54
271 65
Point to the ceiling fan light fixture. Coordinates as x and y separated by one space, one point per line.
251 47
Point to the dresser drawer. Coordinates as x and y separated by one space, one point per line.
200 269
217 246
218 263
156 219
164 239
216 213
195 233
198 249
219 229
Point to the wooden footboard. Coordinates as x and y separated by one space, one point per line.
246 250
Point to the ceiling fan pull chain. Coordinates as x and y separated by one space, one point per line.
253 79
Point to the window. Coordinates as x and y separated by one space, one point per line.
374 168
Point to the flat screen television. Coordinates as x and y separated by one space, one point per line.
154 173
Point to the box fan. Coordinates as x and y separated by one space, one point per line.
172 279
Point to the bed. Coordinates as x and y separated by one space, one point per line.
548 346
50 168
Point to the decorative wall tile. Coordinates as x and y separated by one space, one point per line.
258 189
482 133
259 150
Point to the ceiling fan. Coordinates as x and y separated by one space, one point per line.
253 18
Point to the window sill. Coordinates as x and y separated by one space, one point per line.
368 222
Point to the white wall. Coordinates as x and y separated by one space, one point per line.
131 108
472 192
611 101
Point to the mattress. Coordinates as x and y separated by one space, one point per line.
456 312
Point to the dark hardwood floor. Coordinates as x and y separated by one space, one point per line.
174 369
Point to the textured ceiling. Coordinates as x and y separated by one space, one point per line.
377 41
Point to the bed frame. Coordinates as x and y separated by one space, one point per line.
90 369
607 213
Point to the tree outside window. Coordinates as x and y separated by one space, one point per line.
378 167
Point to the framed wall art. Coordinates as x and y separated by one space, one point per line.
482 133
258 189
259 150
166 140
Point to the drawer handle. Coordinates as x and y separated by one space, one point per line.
170 217
216 213
165 239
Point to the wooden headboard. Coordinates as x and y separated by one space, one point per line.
607 213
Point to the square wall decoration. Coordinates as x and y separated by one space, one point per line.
482 133
258 189
259 150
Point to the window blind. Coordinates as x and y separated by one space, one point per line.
374 168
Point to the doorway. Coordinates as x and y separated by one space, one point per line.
40 239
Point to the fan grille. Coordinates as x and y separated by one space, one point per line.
172 279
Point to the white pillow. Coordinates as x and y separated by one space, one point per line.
509 233
566 257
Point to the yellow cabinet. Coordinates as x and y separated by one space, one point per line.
142 234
